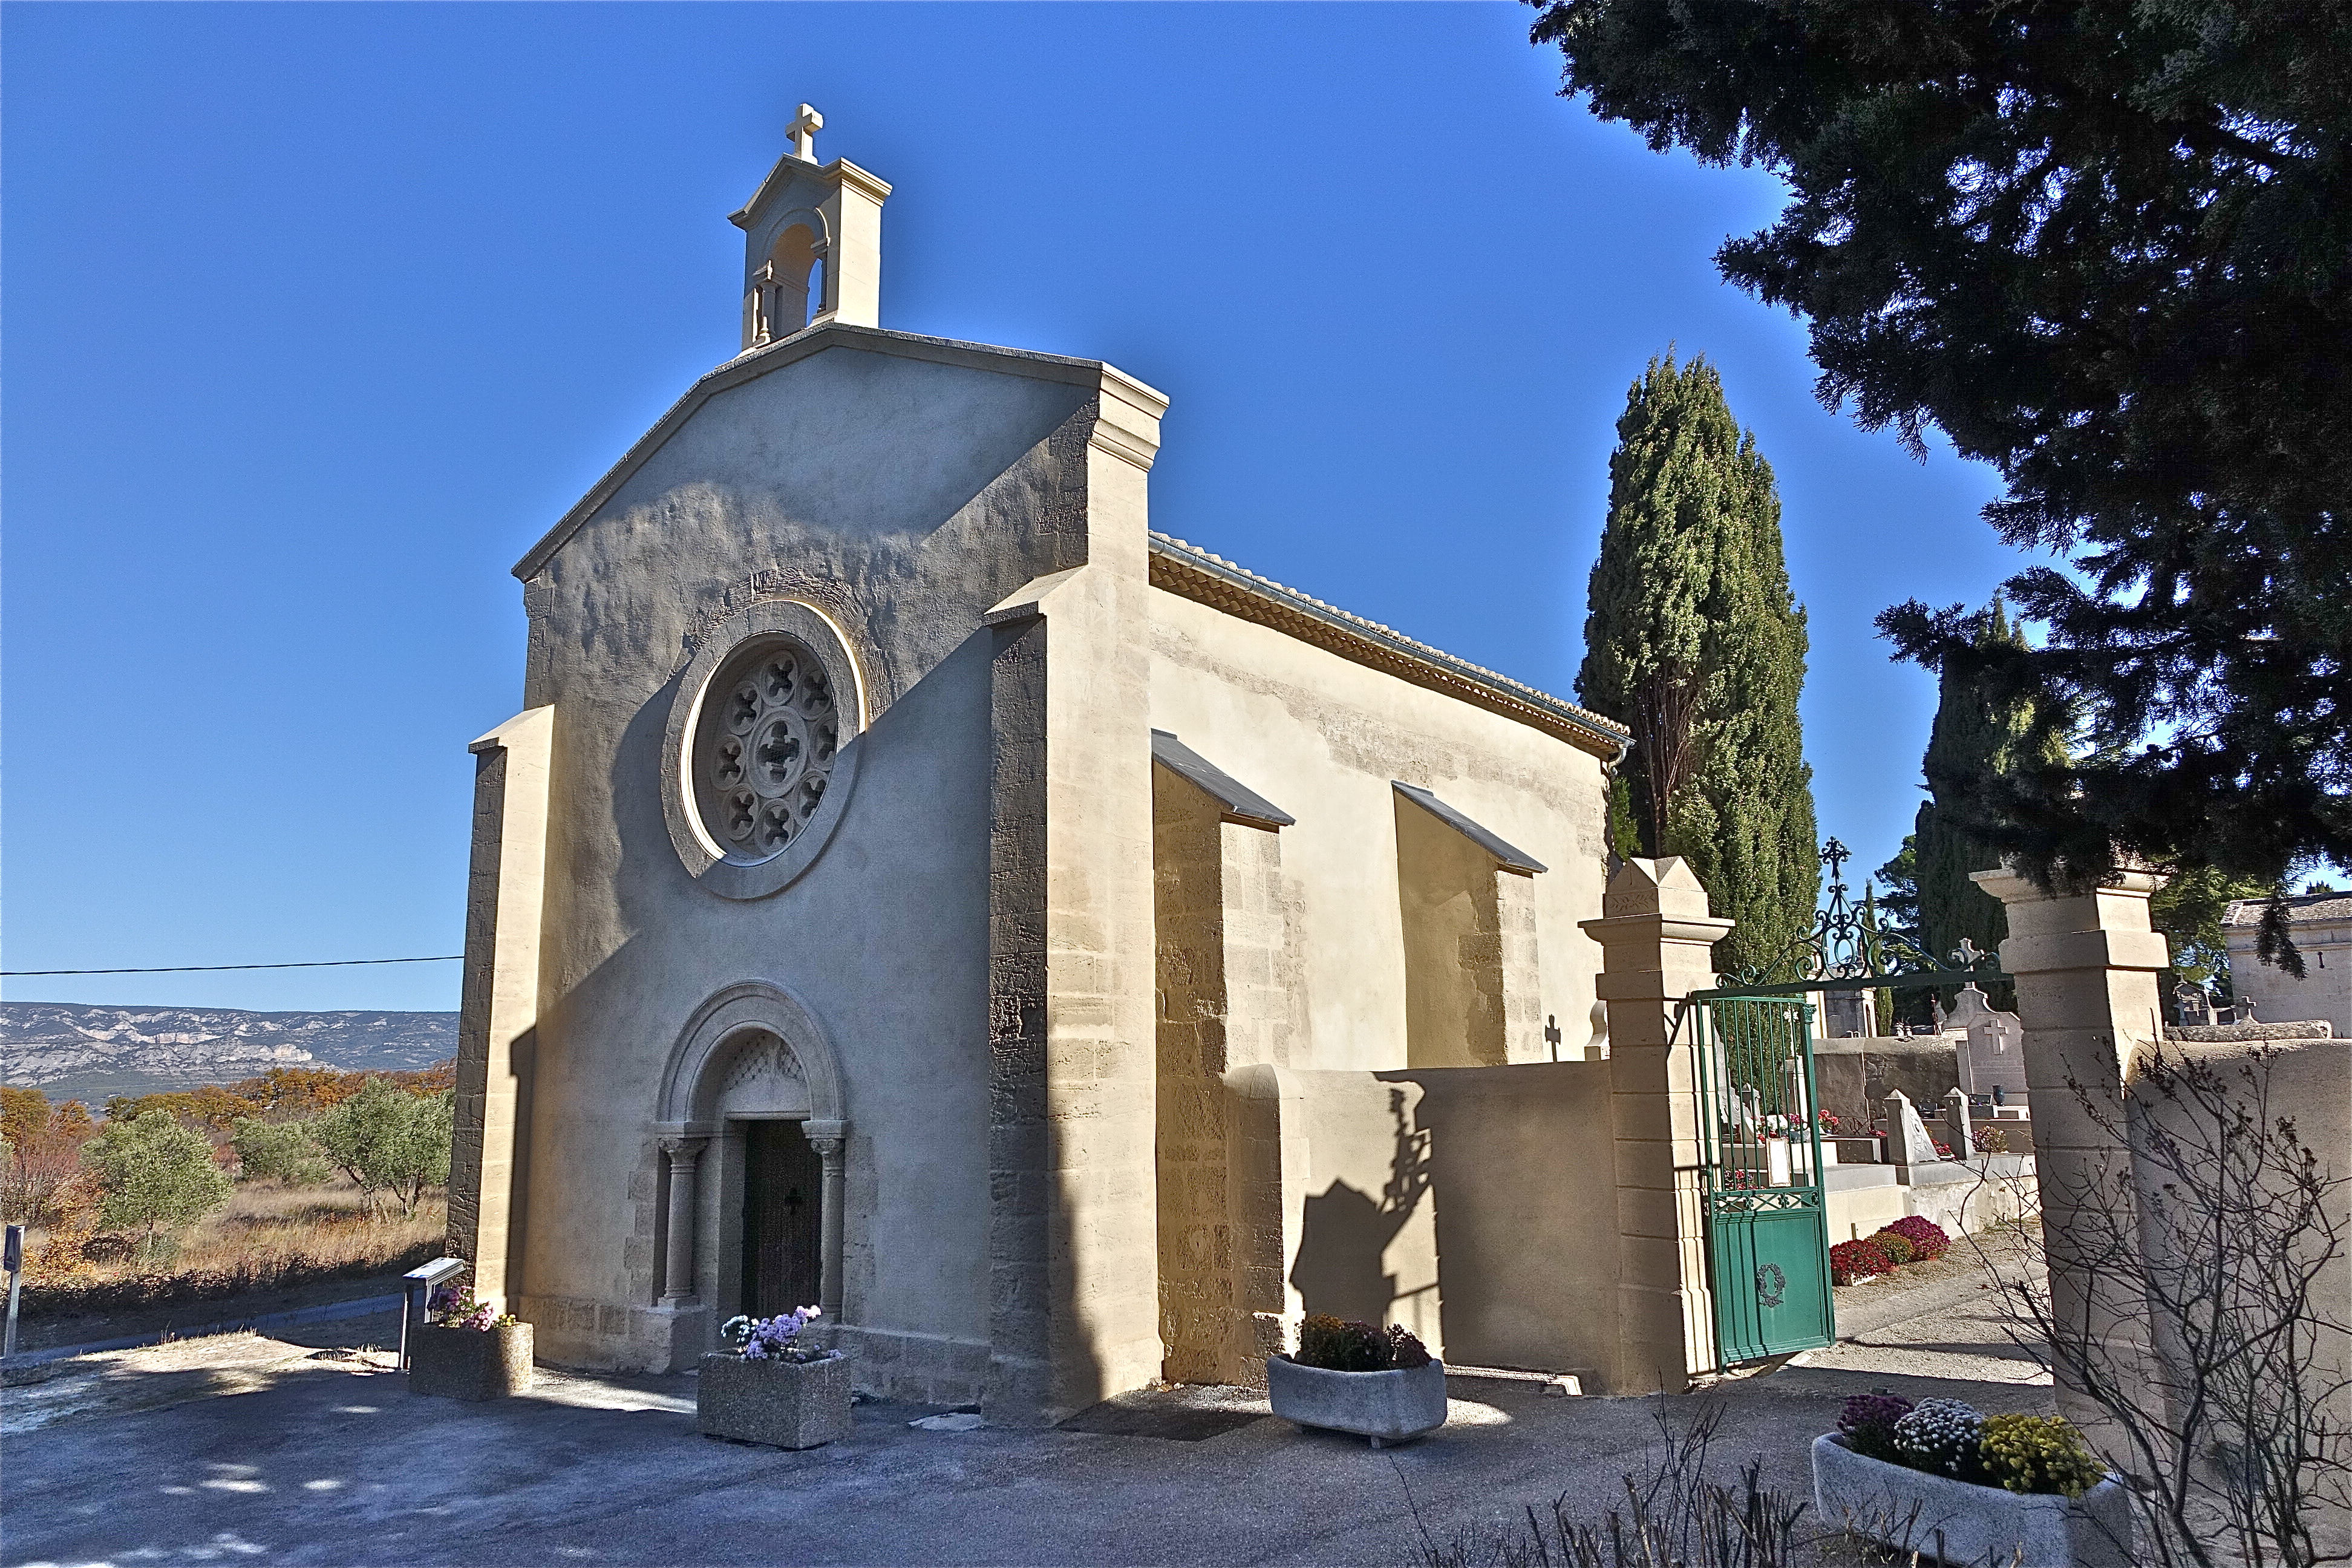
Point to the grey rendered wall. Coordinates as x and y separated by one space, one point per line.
903 498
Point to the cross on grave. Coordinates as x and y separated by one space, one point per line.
803 129
1552 1034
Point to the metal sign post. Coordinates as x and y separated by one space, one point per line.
15 1265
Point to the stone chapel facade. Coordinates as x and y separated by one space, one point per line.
914 885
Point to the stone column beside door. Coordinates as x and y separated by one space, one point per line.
683 1156
1657 942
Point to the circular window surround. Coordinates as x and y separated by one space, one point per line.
705 860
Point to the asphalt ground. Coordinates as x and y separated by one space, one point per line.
253 1450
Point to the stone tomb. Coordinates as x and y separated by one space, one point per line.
915 884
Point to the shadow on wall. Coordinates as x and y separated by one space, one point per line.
1345 1233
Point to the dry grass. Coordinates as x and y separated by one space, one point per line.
268 1236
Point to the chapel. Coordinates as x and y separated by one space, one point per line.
915 885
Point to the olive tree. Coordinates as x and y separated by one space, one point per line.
153 1175
390 1142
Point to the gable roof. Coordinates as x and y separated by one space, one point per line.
2300 910
754 363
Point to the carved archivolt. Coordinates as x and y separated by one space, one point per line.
750 1049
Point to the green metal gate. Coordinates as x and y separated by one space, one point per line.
1761 1162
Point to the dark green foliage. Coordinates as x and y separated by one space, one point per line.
1694 638
2106 245
2188 908
1336 1344
1978 739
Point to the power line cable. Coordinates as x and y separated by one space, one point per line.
208 968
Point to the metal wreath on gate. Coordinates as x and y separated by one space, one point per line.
1771 1285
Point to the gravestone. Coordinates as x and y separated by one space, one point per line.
1849 1014
1907 1140
1992 1049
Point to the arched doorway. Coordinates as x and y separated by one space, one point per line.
754 1130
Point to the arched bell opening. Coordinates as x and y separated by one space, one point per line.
788 291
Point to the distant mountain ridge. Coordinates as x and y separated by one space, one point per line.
76 1051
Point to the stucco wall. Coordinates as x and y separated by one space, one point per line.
1474 1205
1523 1173
2323 992
1324 738
903 498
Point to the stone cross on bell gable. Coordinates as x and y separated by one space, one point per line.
803 129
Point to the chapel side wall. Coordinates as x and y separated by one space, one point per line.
1323 738
902 499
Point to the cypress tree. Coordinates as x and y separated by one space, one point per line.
1693 638
1982 736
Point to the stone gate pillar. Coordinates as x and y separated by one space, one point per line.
1657 942
2086 969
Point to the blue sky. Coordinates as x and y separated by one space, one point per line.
315 317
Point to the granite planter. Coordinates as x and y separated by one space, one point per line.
470 1363
783 1404
1905 1509
1386 1407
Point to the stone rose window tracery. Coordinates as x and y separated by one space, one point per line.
764 748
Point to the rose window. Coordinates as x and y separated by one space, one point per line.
764 748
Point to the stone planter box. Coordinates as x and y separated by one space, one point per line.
1386 1407
470 1363
1904 1509
786 1405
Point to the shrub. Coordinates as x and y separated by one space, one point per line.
155 1174
1869 1421
1989 1140
1926 1237
1852 1260
1338 1345
1941 1437
389 1140
1898 1249
282 1150
2038 1454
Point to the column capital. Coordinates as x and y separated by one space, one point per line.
683 1148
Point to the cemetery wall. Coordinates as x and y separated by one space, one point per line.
1476 1207
2309 1081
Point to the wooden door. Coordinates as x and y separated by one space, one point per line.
782 1265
